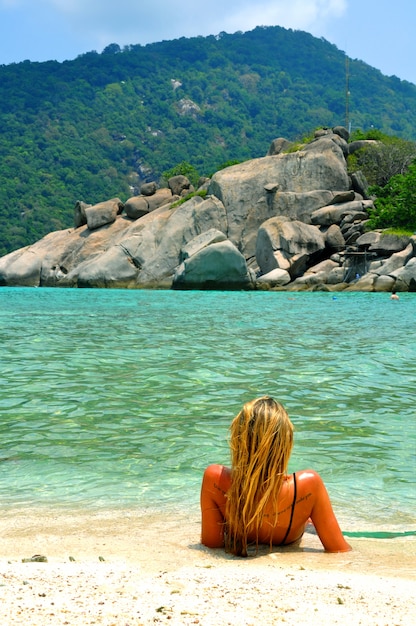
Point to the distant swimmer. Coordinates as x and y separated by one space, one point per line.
394 295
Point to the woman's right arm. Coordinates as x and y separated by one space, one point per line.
212 507
323 516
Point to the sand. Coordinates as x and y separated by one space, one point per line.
126 568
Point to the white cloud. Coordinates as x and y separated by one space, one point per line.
296 14
145 21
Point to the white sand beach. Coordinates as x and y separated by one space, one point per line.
127 569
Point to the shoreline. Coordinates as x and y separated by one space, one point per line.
145 567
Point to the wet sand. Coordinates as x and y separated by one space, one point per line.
130 568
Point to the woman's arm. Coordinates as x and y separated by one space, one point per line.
323 516
213 507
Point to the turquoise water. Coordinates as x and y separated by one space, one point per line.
113 398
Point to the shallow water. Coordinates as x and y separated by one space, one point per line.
115 398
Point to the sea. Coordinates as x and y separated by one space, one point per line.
118 399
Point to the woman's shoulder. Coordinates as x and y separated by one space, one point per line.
219 474
307 474
309 479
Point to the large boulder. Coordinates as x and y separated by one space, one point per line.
136 207
151 247
388 244
288 245
278 146
406 276
179 184
103 213
242 188
161 197
279 215
276 277
201 241
80 217
395 262
217 265
148 189
334 239
20 268
334 213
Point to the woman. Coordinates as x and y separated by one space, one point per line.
256 501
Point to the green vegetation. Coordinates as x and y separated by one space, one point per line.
386 158
183 169
390 167
188 196
395 206
99 126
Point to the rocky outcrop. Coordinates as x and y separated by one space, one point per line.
289 220
288 245
216 266
257 190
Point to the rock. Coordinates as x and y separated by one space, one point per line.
406 276
22 268
282 243
80 217
179 183
136 207
217 265
203 183
73 248
296 206
160 198
278 145
389 244
352 233
323 269
365 283
339 141
276 277
281 216
336 275
201 241
114 268
360 144
343 196
241 188
342 132
333 213
155 244
384 283
334 238
354 216
103 213
395 261
360 184
368 239
148 189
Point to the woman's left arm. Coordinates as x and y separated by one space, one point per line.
212 507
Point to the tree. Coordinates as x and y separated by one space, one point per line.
387 158
184 169
395 204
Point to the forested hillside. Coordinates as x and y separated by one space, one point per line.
98 126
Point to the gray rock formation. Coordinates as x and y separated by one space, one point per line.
292 220
288 245
219 265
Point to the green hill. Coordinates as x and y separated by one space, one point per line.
98 126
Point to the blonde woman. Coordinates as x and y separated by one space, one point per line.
256 502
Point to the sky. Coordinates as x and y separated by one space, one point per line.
378 32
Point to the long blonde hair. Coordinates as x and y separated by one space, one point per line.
261 440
